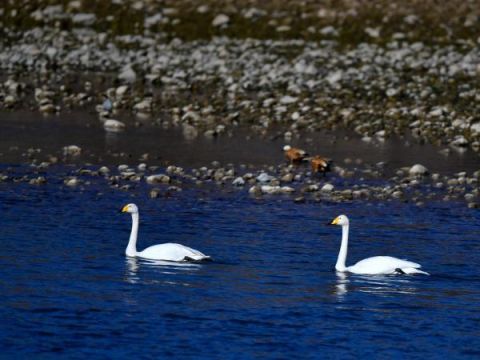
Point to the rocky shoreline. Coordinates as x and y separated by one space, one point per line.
427 92
399 85
382 71
350 179
294 184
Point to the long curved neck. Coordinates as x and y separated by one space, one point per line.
132 243
342 254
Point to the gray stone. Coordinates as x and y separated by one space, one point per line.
113 126
327 188
264 178
239 181
72 150
84 19
418 170
220 20
158 179
155 193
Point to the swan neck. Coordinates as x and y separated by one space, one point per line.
132 243
342 255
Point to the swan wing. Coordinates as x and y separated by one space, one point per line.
172 252
383 265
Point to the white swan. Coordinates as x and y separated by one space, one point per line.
167 252
371 266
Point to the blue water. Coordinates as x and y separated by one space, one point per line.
67 290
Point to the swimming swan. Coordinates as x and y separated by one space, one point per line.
374 265
167 252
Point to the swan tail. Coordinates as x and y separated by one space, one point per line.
411 271
197 258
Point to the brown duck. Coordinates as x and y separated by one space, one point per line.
294 155
320 164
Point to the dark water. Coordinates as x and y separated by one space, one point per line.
20 131
68 291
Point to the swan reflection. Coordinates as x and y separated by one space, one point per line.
112 138
341 288
135 265
383 285
144 118
386 285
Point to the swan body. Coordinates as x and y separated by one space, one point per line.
171 252
384 265
167 252
377 265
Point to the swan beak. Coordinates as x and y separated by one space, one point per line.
124 209
334 221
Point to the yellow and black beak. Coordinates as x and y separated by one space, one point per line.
334 221
124 209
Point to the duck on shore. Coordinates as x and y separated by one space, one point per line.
320 164
294 155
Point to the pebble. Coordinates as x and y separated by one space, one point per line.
459 141
174 189
210 134
314 188
121 91
269 189
287 100
397 194
158 179
113 126
155 193
144 106
9 101
127 74
327 188
255 190
264 178
418 170
287 177
84 19
239 181
72 150
220 20
72 182
38 181
475 128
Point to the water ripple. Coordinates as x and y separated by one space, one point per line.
68 290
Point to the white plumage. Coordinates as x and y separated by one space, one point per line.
171 252
167 251
377 265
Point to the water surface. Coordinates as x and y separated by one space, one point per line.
20 131
68 290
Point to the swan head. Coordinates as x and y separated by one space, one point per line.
340 220
286 147
130 208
